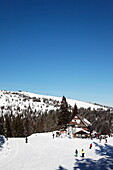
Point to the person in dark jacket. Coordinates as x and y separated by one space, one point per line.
53 135
76 152
26 140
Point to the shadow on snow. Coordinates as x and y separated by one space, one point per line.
61 168
103 163
2 141
1 147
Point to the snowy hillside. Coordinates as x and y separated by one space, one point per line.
18 101
42 152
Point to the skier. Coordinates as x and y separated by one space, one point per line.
90 146
105 140
53 135
26 140
83 153
76 152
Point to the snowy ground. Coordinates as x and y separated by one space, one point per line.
44 153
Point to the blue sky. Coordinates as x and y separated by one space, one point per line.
58 47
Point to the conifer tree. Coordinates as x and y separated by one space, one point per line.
64 114
19 129
74 111
7 126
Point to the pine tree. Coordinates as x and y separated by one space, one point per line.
50 121
19 129
7 126
74 111
64 114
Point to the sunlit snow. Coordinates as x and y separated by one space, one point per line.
42 152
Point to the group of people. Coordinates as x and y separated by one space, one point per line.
83 152
76 153
100 138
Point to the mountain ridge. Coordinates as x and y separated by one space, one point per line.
20 100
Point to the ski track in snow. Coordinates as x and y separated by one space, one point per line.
9 153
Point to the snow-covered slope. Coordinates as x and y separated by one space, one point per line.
70 101
44 153
21 100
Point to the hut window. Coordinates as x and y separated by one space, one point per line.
78 121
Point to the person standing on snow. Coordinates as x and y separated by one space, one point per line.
53 135
26 140
100 138
76 152
90 146
105 140
83 153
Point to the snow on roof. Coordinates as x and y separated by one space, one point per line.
80 129
86 121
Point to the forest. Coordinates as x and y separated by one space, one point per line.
28 121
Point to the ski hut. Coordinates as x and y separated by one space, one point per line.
81 133
78 127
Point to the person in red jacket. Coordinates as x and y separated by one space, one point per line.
90 146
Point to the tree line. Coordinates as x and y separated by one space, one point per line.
28 121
